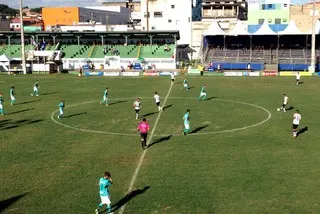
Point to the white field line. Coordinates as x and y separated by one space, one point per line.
136 172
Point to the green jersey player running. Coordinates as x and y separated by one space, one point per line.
203 93
186 122
104 184
12 97
1 104
61 109
185 84
105 96
36 88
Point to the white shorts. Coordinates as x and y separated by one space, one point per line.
187 126
203 94
105 199
1 106
61 111
104 98
12 97
35 89
185 85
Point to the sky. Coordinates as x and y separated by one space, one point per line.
64 3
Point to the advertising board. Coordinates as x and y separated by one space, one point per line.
131 74
270 74
288 74
93 73
232 74
151 74
193 71
168 73
111 74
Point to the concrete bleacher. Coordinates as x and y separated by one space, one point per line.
14 51
156 51
75 51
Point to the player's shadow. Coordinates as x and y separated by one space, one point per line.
4 204
198 129
211 98
303 130
48 93
191 87
10 124
17 112
166 107
160 140
299 83
74 115
118 102
128 197
26 102
149 114
290 108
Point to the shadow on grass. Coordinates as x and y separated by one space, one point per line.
211 98
149 114
118 102
168 106
48 93
191 87
198 129
17 112
128 197
26 102
11 124
74 115
300 83
290 108
8 202
160 140
303 130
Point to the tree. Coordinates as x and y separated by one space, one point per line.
4 9
36 10
24 14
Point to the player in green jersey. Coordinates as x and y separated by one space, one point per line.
104 184
1 104
203 93
12 97
36 88
61 109
186 122
105 96
185 84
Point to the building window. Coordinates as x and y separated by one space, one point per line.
269 5
284 20
169 20
277 21
269 21
263 7
147 15
153 27
285 5
172 6
157 14
260 21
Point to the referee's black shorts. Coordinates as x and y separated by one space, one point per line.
144 135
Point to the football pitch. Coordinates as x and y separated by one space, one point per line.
240 156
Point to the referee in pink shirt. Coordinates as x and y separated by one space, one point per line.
143 128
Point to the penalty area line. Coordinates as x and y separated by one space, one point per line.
136 172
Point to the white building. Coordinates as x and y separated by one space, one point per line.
168 15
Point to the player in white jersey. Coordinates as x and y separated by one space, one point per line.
298 76
285 102
157 100
296 122
137 106
172 77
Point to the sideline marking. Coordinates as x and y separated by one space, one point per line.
162 135
136 172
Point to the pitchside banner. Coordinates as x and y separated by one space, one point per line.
251 74
93 73
288 74
167 73
270 73
232 74
111 74
131 74
151 74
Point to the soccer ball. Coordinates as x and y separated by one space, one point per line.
278 109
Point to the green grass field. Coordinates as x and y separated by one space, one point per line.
230 164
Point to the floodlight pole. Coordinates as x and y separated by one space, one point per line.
313 39
23 56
